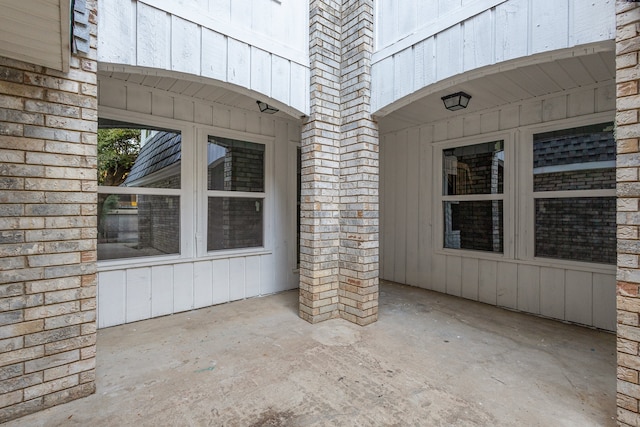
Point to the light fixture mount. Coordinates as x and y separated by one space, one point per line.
456 101
266 108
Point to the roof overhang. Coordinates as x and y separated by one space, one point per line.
37 32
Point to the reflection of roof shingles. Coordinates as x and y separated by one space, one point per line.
162 150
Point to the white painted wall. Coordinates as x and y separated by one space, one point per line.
137 289
420 42
410 252
259 46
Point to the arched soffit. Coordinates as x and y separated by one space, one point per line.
147 80
178 43
479 38
512 82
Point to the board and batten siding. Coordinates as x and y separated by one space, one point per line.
257 47
445 38
144 288
574 292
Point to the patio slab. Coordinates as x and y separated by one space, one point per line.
430 360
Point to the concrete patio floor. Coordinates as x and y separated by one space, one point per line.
431 360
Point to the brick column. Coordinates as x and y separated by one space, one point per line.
628 217
48 122
320 192
359 169
339 208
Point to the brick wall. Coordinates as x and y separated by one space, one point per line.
339 181
628 216
47 233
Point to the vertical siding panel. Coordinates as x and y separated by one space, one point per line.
298 97
424 219
423 64
138 298
549 25
139 99
182 287
161 105
507 285
592 21
487 281
529 288
552 292
252 287
511 28
117 18
238 57
221 284
185 46
470 278
403 75
184 109
280 78
413 181
390 204
153 41
202 284
214 58
111 298
237 279
261 71
400 267
439 273
454 275
604 301
448 45
268 283
161 290
579 297
478 37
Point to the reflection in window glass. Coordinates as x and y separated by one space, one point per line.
137 225
474 225
473 169
581 158
234 222
578 229
235 165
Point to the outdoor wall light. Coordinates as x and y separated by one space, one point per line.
456 101
266 108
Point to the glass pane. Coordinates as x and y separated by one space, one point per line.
474 225
235 165
581 158
473 169
132 226
579 229
139 157
234 223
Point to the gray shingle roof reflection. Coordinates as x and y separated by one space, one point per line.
162 150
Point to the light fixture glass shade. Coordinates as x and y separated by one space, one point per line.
456 101
266 108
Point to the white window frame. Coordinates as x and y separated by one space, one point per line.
184 192
526 203
203 193
507 197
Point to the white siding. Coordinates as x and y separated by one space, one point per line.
471 36
579 293
239 45
146 288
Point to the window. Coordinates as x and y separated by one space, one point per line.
472 197
574 194
139 177
236 194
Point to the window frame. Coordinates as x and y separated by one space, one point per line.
203 193
186 224
507 196
528 197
